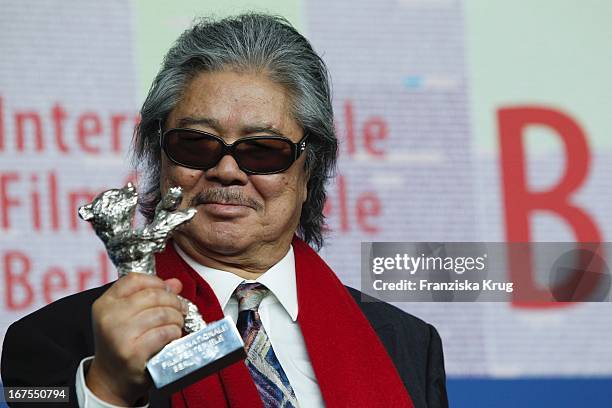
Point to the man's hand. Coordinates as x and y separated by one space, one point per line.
134 319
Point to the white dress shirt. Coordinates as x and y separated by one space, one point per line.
279 314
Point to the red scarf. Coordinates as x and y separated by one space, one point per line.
351 364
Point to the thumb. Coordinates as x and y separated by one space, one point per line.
174 285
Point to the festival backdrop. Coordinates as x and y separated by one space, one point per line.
474 120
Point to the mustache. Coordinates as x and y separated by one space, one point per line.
224 196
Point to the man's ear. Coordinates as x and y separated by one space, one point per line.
306 182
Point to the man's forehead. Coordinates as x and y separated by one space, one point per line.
228 102
252 126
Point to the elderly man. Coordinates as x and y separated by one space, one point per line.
240 117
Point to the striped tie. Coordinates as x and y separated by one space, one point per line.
269 376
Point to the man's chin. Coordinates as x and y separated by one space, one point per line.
224 240
227 247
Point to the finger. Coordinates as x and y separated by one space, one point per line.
174 285
156 317
134 282
152 341
147 319
151 298
122 340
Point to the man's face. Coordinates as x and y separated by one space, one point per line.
251 213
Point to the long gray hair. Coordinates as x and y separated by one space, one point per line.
250 43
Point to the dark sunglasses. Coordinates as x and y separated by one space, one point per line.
200 150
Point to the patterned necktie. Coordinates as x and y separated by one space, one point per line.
269 376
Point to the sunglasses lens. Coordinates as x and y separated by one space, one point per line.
191 149
264 155
198 150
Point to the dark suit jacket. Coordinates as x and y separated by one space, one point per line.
46 347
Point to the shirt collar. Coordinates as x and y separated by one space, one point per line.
280 279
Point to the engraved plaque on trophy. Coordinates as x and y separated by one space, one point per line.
206 348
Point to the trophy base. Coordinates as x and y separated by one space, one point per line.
195 356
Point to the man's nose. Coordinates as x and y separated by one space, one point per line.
226 172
